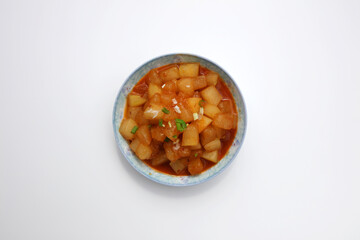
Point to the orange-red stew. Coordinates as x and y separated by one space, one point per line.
180 119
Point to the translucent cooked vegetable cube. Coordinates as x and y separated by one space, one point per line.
127 125
186 86
220 133
154 78
155 99
211 95
144 135
134 144
154 111
169 151
213 145
226 106
171 131
179 165
193 104
170 86
172 115
159 159
224 120
167 98
209 134
212 78
170 74
186 114
189 69
211 156
203 123
157 133
184 152
139 118
153 89
196 147
143 151
190 136
200 82
211 110
195 166
135 100
156 147
132 111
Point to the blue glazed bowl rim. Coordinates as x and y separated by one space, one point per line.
151 177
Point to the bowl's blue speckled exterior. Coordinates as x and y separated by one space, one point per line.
141 167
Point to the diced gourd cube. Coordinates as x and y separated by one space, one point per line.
159 159
184 152
200 82
212 78
189 69
203 123
144 135
170 86
226 106
134 144
211 156
193 104
126 127
132 111
220 133
186 86
169 151
139 118
224 120
211 110
211 95
195 166
153 89
153 112
208 135
213 145
179 165
155 99
196 147
154 78
135 100
169 74
190 136
172 115
167 98
186 114
143 151
157 133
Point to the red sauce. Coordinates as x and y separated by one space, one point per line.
141 88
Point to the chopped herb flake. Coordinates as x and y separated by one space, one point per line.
200 102
180 124
175 136
135 128
196 154
167 139
165 111
160 122
149 126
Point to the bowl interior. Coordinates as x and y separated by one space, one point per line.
145 169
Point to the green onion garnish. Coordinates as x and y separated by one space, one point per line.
200 102
165 111
196 154
135 128
180 124
175 136
167 139
160 122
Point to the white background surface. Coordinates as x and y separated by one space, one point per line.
297 175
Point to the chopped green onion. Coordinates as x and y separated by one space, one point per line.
165 111
196 154
160 122
200 102
180 124
149 126
175 136
167 139
135 128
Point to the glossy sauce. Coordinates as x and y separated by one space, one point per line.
141 88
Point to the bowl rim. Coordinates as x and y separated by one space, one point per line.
115 128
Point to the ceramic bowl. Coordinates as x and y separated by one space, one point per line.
153 174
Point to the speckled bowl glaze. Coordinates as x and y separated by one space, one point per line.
153 174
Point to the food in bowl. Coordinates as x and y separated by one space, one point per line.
180 119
